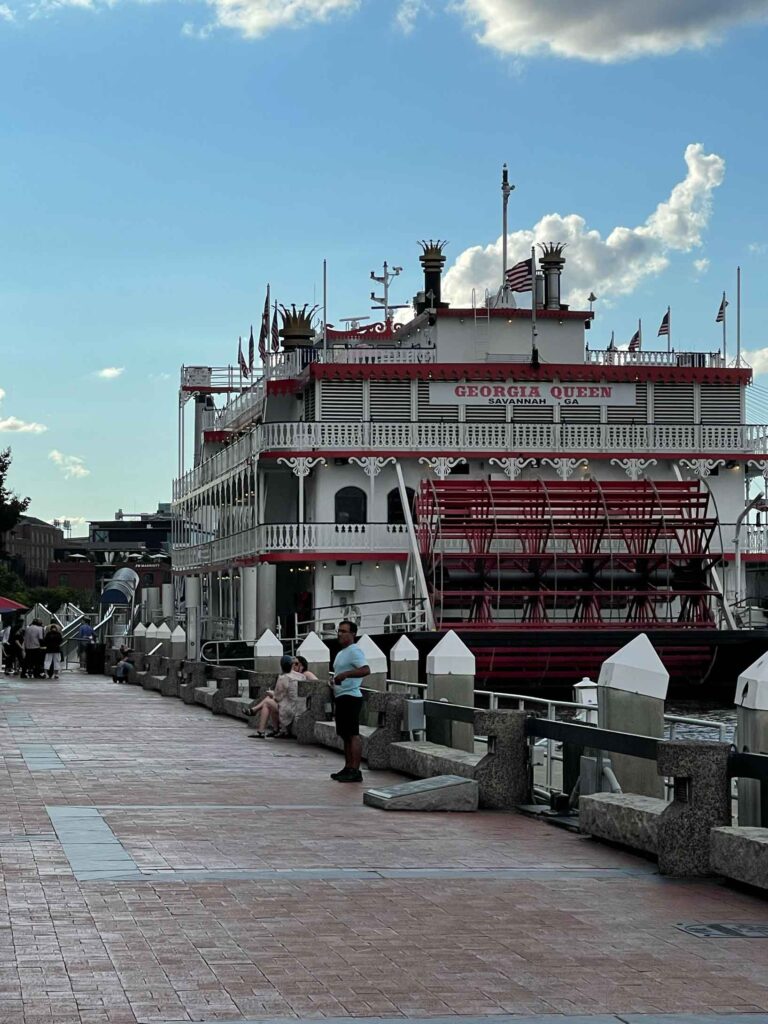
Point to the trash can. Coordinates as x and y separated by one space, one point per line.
94 660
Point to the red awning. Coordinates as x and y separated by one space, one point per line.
7 605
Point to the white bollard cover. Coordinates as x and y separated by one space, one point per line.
404 650
636 668
140 630
163 631
178 634
313 649
268 646
752 686
375 658
151 632
451 657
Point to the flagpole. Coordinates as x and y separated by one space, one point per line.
533 298
669 329
506 188
325 310
725 306
640 334
738 317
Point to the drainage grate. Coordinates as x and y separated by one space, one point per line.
725 930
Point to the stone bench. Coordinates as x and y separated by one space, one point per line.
740 853
626 818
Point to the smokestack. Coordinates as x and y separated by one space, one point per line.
552 262
432 260
297 330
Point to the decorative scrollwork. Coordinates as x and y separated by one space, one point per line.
301 466
512 467
701 467
565 468
761 465
371 465
634 468
441 466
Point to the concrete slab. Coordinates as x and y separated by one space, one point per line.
441 793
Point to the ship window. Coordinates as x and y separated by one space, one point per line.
395 514
350 505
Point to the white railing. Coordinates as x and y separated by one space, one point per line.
756 542
223 549
333 537
229 458
241 410
603 357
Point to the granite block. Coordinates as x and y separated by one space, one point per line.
440 793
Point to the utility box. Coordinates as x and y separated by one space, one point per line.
344 584
413 716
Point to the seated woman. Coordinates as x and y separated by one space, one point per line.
301 665
124 667
280 705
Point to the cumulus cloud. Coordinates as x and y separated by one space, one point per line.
6 14
757 248
701 266
72 520
13 424
407 14
255 18
110 372
606 30
71 466
758 360
610 266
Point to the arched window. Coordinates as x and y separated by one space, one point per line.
395 514
350 506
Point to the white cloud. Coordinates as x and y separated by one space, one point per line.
110 372
6 14
71 466
701 266
758 248
606 30
758 360
255 18
15 425
610 266
407 14
72 520
2 394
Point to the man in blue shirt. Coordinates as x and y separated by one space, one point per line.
349 670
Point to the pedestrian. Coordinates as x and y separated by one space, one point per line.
34 650
85 637
280 706
124 667
349 670
300 664
52 644
18 652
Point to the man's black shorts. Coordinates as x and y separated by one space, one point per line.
347 713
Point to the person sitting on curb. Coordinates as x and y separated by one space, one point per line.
279 706
124 667
300 664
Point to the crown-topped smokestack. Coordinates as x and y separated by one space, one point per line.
552 262
432 260
297 330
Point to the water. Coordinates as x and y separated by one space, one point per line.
710 711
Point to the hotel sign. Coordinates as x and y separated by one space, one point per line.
513 393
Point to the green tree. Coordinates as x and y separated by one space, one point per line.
12 507
12 586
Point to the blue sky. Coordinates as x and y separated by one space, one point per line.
162 162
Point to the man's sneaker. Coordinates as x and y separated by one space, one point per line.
350 775
337 775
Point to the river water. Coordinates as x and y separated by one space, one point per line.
710 711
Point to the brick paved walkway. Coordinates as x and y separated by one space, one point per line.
158 865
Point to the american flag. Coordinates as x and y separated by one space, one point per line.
264 329
275 332
720 318
664 326
634 342
241 358
520 277
250 350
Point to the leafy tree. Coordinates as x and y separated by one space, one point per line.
12 586
12 507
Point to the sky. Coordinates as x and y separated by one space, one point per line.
162 162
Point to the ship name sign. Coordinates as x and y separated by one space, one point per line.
513 393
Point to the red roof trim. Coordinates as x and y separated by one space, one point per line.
217 435
524 371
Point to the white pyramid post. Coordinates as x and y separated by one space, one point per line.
317 654
139 638
451 677
267 652
631 690
376 660
178 644
404 664
164 637
150 638
752 733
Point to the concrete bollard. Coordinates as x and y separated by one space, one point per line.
267 652
752 734
166 601
192 598
376 661
138 640
249 579
150 638
178 644
451 677
404 665
317 654
164 638
631 690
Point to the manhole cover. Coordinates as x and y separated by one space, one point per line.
725 930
